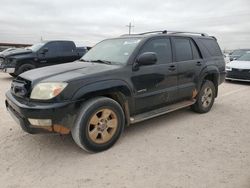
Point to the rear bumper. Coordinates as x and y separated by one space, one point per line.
62 115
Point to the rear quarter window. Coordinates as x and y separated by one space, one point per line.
212 46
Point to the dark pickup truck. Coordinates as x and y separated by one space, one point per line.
42 54
120 81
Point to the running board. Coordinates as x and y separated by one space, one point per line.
161 111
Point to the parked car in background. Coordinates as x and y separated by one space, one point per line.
42 54
7 50
234 55
226 58
239 70
120 81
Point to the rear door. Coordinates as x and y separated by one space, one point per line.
155 85
189 64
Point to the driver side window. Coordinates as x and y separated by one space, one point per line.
52 49
162 48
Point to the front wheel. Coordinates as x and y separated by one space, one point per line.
99 124
23 68
205 98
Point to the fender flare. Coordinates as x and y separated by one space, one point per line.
102 87
209 70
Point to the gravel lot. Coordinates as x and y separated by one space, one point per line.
180 149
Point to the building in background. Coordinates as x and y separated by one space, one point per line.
4 46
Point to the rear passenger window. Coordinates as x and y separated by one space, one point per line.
212 46
183 49
162 48
196 53
66 47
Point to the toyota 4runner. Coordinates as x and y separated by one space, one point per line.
121 81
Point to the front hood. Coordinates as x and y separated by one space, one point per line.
16 52
66 72
239 64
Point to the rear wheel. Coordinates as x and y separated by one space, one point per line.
99 124
23 68
205 98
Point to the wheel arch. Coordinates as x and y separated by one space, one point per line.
117 90
212 74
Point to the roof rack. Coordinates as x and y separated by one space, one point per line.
171 32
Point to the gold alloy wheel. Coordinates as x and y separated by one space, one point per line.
102 126
207 97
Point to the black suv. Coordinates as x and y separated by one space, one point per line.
42 54
120 81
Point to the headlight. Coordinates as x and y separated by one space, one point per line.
228 68
45 91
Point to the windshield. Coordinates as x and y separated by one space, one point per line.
35 47
245 57
116 51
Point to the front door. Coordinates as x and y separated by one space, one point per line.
51 56
155 85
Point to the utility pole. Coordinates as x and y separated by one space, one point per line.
129 27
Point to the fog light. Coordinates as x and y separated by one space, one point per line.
40 122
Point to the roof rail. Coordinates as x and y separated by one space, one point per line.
170 32
188 32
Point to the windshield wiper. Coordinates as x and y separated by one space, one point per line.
100 61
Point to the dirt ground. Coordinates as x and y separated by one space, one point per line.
178 150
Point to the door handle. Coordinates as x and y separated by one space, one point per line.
172 68
198 63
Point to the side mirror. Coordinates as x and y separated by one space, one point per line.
44 50
147 58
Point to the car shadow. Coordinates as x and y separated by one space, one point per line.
7 78
61 143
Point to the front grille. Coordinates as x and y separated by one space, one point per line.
21 87
1 61
239 74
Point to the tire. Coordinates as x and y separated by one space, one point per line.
98 125
23 68
205 98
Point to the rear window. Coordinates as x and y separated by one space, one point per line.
212 46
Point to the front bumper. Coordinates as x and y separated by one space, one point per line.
62 114
4 68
